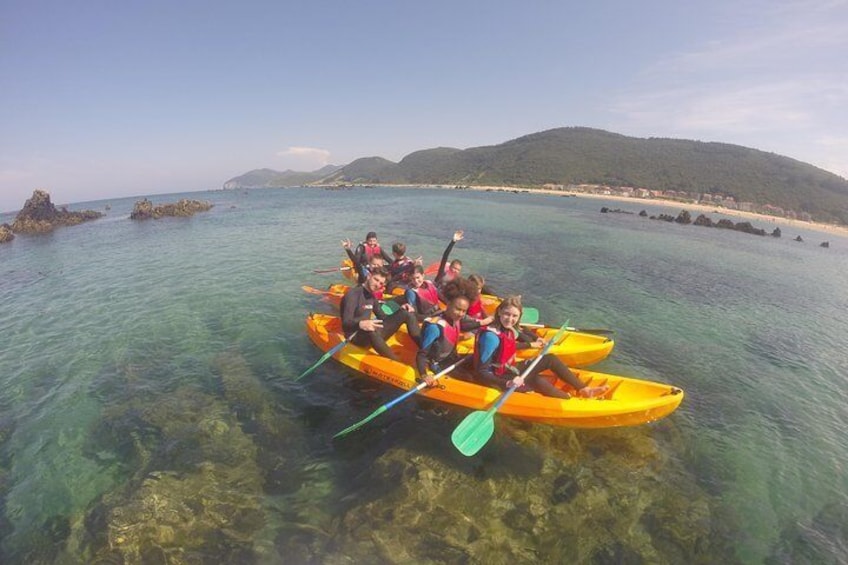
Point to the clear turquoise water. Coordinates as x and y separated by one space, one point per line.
148 410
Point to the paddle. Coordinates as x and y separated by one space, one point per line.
333 270
397 400
432 269
477 428
598 331
530 315
327 355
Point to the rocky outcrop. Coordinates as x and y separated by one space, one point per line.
145 210
776 232
6 233
704 221
825 244
748 228
39 215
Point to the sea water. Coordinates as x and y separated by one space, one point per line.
149 413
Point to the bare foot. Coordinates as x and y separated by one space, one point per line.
592 391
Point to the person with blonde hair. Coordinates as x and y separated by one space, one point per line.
495 364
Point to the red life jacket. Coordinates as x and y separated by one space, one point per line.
450 331
400 270
428 292
371 251
476 310
504 355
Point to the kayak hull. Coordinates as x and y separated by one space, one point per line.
628 402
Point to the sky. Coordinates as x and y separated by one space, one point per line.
102 99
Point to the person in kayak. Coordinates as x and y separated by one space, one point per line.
402 267
476 309
361 315
422 295
449 271
369 248
441 333
375 260
495 364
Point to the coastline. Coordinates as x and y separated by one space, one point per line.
706 209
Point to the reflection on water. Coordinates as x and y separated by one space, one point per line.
148 412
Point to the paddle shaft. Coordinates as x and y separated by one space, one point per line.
477 428
327 355
422 386
333 270
399 399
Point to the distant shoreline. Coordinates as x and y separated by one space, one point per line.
815 226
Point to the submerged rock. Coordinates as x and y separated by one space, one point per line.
145 210
823 540
39 215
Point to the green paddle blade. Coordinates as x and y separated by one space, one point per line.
389 307
474 432
530 315
362 422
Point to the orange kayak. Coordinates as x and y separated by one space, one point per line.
628 402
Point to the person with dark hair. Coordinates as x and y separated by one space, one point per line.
375 260
401 268
369 248
494 358
441 333
361 315
421 294
449 271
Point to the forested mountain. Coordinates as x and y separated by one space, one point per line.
572 156
268 178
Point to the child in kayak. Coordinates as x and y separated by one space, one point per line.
440 334
369 248
495 364
476 309
448 272
374 260
422 295
401 268
361 314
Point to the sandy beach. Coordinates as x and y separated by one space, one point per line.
706 209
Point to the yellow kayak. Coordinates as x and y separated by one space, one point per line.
578 349
628 402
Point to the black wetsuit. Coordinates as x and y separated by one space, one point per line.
360 304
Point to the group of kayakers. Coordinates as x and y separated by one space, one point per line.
436 329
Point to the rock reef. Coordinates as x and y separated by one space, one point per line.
145 210
39 215
685 218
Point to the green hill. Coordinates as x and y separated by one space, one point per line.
268 178
575 155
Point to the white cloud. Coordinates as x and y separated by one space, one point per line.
307 153
777 83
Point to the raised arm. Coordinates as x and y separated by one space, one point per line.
457 236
